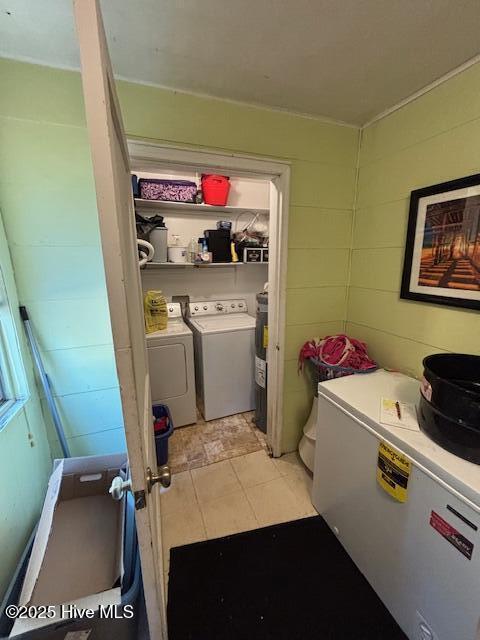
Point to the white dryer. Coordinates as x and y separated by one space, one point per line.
172 369
224 342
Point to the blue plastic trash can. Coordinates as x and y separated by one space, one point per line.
161 439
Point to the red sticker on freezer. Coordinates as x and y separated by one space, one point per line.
452 535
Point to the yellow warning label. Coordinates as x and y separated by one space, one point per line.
265 336
393 471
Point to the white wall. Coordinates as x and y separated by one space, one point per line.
188 226
211 283
244 192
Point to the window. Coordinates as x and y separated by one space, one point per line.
13 382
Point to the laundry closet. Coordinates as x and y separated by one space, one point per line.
203 242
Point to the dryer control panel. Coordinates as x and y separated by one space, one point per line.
217 307
174 310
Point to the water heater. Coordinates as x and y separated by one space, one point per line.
261 343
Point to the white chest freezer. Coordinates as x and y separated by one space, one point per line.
421 556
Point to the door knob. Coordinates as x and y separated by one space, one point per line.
164 477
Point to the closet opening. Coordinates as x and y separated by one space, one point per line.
221 267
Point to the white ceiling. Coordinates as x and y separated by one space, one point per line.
344 59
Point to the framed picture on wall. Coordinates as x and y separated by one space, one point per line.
442 253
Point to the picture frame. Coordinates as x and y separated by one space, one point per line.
442 252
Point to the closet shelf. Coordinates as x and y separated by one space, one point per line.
191 208
208 265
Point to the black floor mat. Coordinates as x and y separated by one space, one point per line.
291 581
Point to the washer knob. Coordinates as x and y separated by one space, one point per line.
205 308
196 308
240 304
233 305
170 309
219 307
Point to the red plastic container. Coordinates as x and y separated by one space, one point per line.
215 189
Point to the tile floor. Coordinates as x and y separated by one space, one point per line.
207 442
246 492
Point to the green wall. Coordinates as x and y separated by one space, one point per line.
25 460
49 209
48 203
323 158
430 140
52 227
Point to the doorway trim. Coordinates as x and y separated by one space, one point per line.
157 156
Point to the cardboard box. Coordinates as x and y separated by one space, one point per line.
77 555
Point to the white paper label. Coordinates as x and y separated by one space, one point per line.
399 414
260 372
78 635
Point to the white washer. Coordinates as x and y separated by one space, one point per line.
172 370
224 342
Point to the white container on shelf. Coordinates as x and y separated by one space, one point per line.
158 238
177 254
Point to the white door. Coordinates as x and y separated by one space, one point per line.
117 227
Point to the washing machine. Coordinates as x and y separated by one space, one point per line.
172 369
224 344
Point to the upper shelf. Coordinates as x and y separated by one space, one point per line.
198 265
190 207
